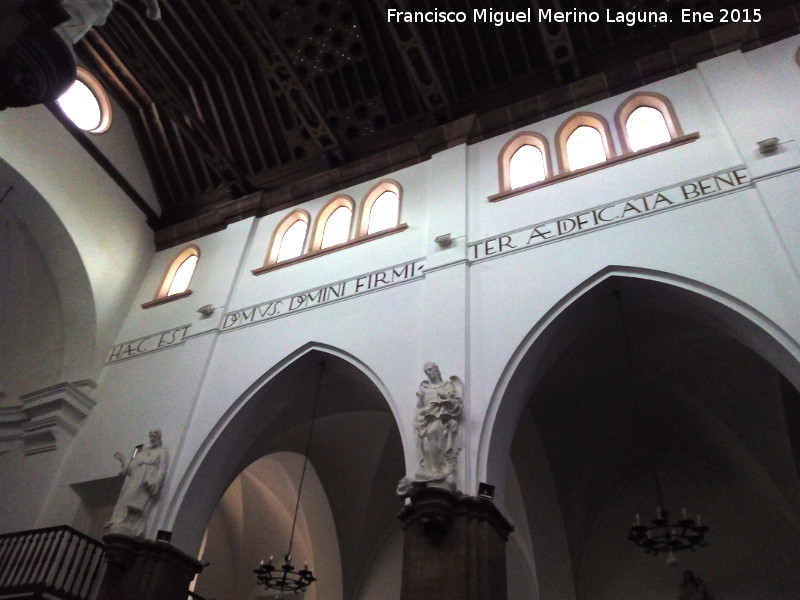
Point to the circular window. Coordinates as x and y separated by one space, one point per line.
86 103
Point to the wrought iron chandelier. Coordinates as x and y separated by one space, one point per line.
285 578
662 535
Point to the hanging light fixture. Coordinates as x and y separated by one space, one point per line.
661 534
285 578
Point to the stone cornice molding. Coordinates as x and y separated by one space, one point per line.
12 419
43 414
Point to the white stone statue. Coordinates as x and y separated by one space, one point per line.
144 476
85 14
437 420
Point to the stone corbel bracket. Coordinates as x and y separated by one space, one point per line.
45 416
436 509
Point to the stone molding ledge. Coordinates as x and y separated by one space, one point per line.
435 509
36 425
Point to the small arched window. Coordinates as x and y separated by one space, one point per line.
585 148
175 283
381 209
523 161
292 241
646 127
180 283
583 140
337 227
526 166
333 223
646 119
289 238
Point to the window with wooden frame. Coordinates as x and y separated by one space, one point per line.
289 238
381 208
646 119
175 283
524 160
333 223
583 141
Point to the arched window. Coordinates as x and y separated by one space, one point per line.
646 119
175 283
646 127
585 148
526 166
337 227
180 283
333 223
523 161
292 241
289 238
381 208
583 140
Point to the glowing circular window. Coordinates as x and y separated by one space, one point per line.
86 103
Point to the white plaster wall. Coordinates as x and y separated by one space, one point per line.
107 229
506 297
138 395
473 319
32 328
739 256
384 577
361 327
118 144
212 283
696 112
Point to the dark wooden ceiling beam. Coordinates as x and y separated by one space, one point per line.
428 82
269 156
204 69
170 100
379 61
229 134
557 43
279 71
113 69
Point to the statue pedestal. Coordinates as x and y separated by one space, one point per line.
139 569
454 547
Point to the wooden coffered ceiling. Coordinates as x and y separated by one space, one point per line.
243 107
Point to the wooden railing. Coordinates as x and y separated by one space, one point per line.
58 561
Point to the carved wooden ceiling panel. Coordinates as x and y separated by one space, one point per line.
236 96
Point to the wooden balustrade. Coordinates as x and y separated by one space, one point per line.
57 561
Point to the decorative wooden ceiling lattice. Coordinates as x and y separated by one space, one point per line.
237 96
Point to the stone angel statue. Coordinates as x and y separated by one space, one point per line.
437 421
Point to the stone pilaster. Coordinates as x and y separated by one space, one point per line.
139 569
454 547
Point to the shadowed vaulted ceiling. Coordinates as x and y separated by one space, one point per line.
244 107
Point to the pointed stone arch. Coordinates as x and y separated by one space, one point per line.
69 328
554 330
357 450
569 421
573 421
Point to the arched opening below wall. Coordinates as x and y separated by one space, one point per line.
243 490
50 336
663 388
